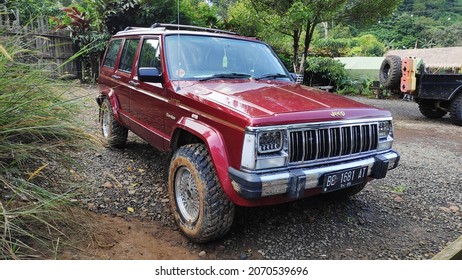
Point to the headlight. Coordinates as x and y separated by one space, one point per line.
269 142
385 129
385 135
264 149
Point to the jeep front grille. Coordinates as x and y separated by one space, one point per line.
308 145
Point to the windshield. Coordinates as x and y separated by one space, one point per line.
207 57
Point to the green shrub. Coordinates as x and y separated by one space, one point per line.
366 45
37 131
325 71
328 47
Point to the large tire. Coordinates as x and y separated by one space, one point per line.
390 72
456 110
114 134
200 207
428 108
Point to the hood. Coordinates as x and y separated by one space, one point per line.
259 99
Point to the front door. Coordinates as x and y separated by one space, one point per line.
148 99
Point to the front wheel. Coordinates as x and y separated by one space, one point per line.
429 109
200 207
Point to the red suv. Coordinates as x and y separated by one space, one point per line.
237 128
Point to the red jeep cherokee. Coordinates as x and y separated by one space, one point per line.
237 129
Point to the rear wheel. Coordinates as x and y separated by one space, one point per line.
200 207
429 109
456 110
390 72
114 134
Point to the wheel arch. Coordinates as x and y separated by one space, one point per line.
189 131
115 105
455 93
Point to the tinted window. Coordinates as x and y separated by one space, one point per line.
128 55
112 52
150 54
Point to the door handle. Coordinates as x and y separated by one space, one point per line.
133 83
115 77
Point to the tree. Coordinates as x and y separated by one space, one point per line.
30 9
299 18
404 31
198 12
116 15
367 45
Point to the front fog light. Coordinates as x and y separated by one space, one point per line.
269 142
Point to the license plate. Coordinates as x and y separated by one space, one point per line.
344 179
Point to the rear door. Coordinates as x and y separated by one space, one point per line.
124 74
109 79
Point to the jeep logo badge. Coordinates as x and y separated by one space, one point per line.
337 114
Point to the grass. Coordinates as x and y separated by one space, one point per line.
38 132
399 189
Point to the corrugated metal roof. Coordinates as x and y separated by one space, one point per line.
435 57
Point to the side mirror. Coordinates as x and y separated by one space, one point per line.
150 75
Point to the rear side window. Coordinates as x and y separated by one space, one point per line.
112 52
128 55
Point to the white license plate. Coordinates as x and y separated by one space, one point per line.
344 179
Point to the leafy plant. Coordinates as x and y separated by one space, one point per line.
399 189
366 45
331 47
90 42
326 71
37 131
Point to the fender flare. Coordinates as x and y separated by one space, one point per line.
216 146
456 92
115 105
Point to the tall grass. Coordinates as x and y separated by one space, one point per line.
38 130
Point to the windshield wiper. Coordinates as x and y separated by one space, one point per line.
226 76
272 76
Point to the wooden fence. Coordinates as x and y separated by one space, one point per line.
53 49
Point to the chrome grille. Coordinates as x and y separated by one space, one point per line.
307 145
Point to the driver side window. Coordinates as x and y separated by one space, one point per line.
150 54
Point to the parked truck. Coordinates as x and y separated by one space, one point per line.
436 94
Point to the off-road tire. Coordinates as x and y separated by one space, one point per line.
456 110
428 108
390 72
345 193
215 212
114 134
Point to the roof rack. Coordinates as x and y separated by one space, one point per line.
190 27
131 28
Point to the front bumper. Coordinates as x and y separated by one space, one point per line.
295 182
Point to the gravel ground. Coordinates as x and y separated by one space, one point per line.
411 214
